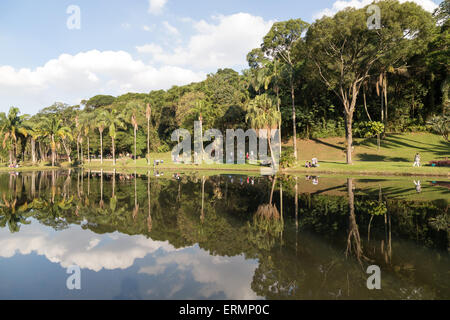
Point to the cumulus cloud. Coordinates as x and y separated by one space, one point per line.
218 274
224 42
71 78
428 5
80 247
156 6
117 251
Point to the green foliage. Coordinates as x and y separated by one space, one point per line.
368 129
98 101
441 125
287 159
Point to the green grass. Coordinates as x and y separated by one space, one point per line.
394 148
371 168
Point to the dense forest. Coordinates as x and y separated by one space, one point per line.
335 77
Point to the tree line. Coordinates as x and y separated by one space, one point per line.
334 77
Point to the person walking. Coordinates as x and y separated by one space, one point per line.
417 160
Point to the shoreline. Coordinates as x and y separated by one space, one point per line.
244 169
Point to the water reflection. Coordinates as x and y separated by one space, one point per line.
185 236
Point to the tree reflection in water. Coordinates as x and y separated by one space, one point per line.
309 244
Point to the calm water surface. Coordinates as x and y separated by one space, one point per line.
222 237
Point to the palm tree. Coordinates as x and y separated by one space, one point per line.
11 127
32 127
114 121
85 124
54 129
101 124
148 115
262 114
131 114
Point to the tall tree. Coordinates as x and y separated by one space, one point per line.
11 127
101 124
53 128
114 121
131 114
262 114
344 50
278 44
148 116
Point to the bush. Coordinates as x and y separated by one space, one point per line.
368 129
287 159
330 128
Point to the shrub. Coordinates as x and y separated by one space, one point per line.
287 159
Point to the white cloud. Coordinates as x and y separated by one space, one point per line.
428 5
217 273
223 43
171 29
156 6
71 78
116 251
80 247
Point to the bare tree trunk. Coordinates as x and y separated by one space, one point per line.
101 147
135 152
349 121
294 122
33 151
114 151
365 105
148 141
53 151
269 137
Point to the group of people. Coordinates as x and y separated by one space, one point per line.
314 163
14 165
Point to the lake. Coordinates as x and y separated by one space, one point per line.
193 235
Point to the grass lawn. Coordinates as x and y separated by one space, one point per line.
394 148
372 167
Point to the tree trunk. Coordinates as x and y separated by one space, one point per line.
43 155
148 141
269 136
365 105
53 151
33 151
113 151
349 123
101 147
294 123
135 153
10 156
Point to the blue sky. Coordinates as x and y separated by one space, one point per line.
134 45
